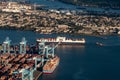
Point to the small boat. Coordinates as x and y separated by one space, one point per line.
100 44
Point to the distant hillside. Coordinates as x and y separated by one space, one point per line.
95 3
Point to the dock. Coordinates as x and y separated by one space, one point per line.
23 65
37 74
10 63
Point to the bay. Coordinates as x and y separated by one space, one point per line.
84 62
54 4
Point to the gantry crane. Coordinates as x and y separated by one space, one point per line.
23 46
46 49
27 74
6 45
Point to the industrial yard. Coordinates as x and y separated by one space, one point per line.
10 64
17 64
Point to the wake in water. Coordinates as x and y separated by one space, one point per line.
102 44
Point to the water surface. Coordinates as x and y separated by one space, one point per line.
85 62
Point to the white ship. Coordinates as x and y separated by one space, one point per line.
62 40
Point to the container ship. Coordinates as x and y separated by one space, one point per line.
62 40
51 65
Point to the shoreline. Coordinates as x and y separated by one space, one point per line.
29 24
98 36
95 4
59 21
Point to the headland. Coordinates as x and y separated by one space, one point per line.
14 15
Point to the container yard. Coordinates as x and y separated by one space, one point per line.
18 63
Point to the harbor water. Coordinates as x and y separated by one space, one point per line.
54 4
84 62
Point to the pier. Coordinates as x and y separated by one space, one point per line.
22 65
37 74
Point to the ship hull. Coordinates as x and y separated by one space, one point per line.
62 40
47 72
50 71
65 43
